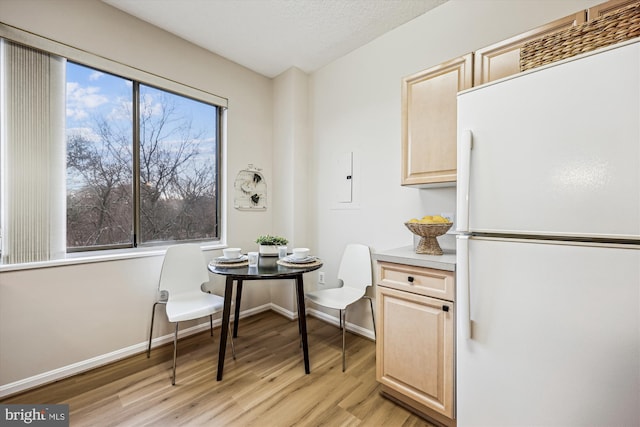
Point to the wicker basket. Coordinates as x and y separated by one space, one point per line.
428 233
611 28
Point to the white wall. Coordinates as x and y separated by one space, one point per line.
291 161
355 106
56 317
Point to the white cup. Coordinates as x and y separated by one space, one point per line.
231 253
300 253
282 251
253 259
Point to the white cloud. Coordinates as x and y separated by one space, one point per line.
81 100
95 75
84 132
77 114
121 110
148 105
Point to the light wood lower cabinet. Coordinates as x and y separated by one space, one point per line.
415 346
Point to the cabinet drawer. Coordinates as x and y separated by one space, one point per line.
418 280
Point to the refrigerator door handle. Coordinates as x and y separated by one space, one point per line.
465 144
463 297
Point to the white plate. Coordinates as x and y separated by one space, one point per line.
304 260
223 259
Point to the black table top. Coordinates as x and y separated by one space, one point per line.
268 268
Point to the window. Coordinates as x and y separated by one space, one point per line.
178 167
174 146
99 135
101 155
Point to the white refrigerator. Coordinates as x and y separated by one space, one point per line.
548 250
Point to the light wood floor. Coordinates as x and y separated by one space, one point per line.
265 386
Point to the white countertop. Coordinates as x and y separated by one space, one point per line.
407 255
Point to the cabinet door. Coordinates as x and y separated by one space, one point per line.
429 111
414 349
503 59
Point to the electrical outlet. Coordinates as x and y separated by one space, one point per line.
321 277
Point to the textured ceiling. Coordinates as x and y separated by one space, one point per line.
270 36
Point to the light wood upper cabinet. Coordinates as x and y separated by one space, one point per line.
503 59
429 110
610 6
429 99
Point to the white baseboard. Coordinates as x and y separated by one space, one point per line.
103 359
356 329
291 315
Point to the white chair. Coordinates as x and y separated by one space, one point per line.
355 275
183 273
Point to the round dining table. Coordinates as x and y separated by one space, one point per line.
269 268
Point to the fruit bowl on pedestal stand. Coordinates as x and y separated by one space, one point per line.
428 233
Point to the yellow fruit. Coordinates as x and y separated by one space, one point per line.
429 219
433 219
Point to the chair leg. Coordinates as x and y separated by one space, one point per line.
153 315
175 354
211 319
343 318
373 317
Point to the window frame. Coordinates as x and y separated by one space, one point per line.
138 76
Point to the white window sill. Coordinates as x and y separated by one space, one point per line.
101 256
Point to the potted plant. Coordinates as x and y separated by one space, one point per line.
269 244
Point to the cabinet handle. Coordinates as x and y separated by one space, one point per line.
445 308
410 279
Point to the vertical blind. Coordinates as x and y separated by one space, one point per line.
32 106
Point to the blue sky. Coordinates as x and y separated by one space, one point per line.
92 93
